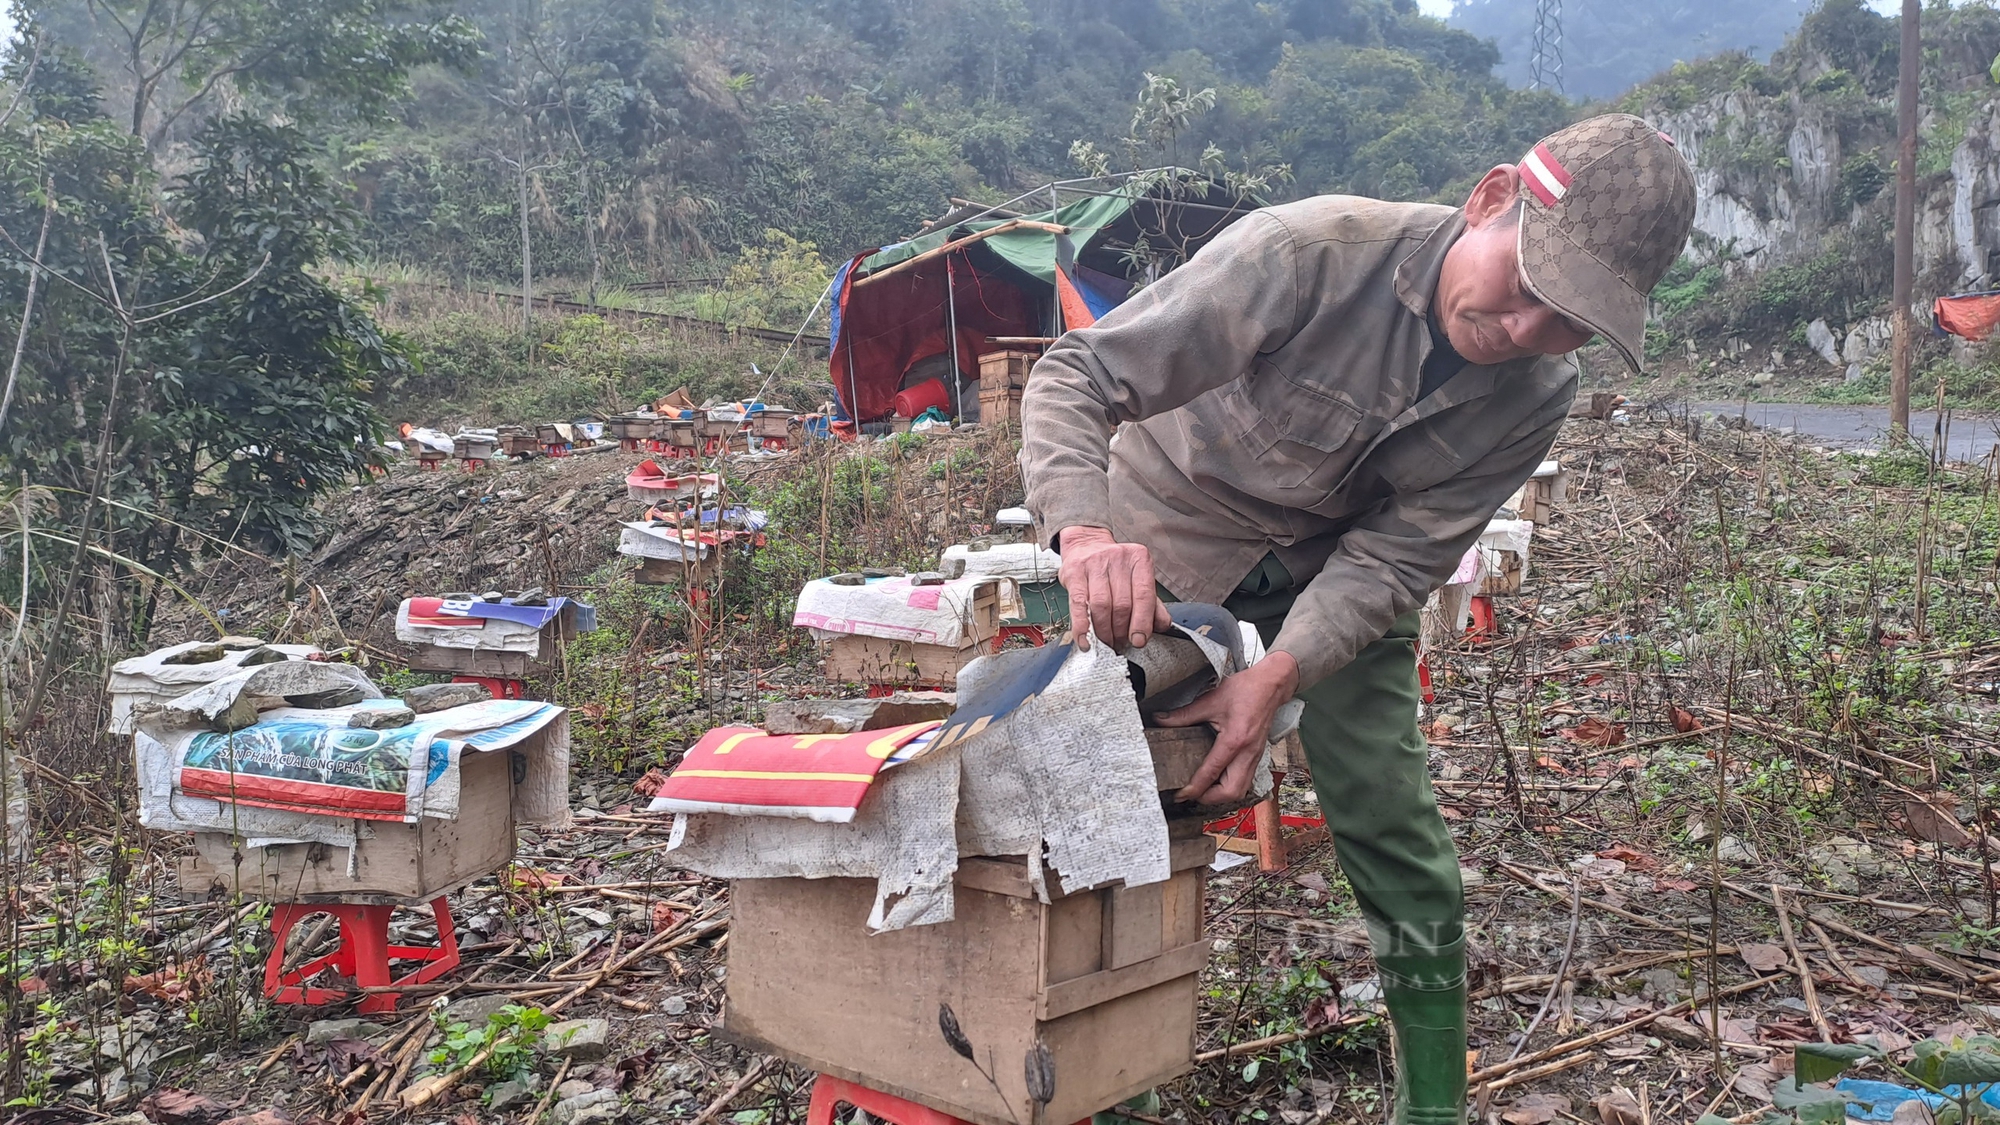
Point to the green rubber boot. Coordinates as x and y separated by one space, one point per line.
1425 995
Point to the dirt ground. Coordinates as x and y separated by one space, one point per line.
1720 785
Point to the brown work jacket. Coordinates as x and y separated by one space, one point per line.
1264 399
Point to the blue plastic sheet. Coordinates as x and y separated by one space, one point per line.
1869 1100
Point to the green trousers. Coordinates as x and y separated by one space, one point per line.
1371 771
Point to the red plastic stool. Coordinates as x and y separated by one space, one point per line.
501 689
830 1093
1034 634
363 956
1485 625
474 464
556 449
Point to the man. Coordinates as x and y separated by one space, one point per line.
1315 418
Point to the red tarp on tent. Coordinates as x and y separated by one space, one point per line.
904 320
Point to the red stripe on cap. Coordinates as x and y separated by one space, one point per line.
1554 166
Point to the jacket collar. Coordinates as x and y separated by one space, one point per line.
1417 276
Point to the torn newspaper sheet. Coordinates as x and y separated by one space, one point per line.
899 610
1063 772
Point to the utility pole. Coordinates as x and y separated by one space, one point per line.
1904 341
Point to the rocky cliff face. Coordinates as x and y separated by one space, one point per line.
1796 158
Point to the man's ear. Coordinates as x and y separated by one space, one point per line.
1493 195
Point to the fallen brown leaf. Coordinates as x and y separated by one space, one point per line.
1682 719
1630 857
1618 1107
535 879
172 1106
1535 1109
1934 823
1755 1081
1596 731
663 917
1764 958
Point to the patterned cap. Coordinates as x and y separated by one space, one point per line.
1608 203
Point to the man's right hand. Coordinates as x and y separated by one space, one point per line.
1110 586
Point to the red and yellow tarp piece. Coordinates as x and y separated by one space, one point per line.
745 772
1971 315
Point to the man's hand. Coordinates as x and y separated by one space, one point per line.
1110 586
1240 708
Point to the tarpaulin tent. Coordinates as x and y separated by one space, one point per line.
993 279
1971 315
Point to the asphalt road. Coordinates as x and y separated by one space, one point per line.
1970 437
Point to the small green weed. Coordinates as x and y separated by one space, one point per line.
514 1033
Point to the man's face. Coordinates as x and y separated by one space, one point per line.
1482 301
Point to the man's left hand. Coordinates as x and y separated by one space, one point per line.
1240 708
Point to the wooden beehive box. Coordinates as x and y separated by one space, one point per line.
879 660
1537 499
999 404
1510 569
681 433
547 434
517 440
393 862
472 447
1005 369
630 427
497 663
1104 979
719 427
769 423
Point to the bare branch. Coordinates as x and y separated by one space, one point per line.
27 79
28 306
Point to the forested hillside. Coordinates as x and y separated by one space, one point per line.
657 136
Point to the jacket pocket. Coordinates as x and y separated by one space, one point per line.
1289 432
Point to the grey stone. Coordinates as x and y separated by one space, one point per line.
504 1095
1362 992
582 1040
200 654
574 1088
326 1031
844 716
674 1005
344 696
598 1105
1763 378
1472 878
240 714
475 1010
1853 374
438 697
120 1090
1820 337
1729 849
381 718
1662 983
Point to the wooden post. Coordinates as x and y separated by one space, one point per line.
1271 852
1904 341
